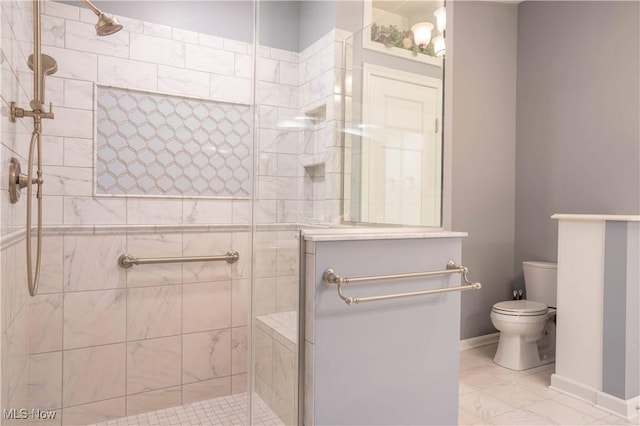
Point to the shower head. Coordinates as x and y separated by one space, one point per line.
48 65
106 25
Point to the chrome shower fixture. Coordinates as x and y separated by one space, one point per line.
106 24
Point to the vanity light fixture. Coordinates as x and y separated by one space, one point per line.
438 46
422 34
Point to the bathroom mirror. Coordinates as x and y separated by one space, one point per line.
393 89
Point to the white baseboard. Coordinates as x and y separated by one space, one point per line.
572 388
627 409
476 342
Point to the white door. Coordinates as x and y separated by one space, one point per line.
401 148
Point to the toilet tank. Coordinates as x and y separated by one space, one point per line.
540 281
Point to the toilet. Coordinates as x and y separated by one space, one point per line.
527 327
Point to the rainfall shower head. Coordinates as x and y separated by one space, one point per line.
106 25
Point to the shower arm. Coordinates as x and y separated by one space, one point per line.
93 8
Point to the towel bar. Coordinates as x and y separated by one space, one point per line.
330 277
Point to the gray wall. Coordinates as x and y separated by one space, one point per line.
483 100
578 113
223 18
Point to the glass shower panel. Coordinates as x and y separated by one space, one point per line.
150 154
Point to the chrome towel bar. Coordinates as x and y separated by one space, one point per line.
127 261
331 277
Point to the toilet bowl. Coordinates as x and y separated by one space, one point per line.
527 327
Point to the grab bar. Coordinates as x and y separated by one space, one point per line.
331 277
127 261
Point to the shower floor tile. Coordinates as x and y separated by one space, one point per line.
224 411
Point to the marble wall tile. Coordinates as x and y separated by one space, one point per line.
183 81
78 94
287 289
153 364
154 400
239 344
45 324
45 380
214 244
54 209
236 46
154 245
82 36
94 318
243 66
54 151
61 10
288 73
154 312
154 211
185 35
210 60
283 409
239 302
241 212
90 262
206 355
239 383
51 269
93 374
241 242
230 89
75 181
157 50
94 211
268 70
210 41
263 350
77 65
206 389
15 359
95 412
157 30
284 372
127 73
78 152
264 296
206 306
207 211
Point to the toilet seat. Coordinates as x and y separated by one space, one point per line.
520 308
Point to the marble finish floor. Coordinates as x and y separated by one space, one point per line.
228 410
492 395
489 395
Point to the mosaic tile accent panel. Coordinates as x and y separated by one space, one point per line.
161 145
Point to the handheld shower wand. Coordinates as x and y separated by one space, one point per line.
42 65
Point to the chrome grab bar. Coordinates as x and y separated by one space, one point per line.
127 261
331 277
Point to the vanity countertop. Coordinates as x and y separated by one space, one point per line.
352 234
